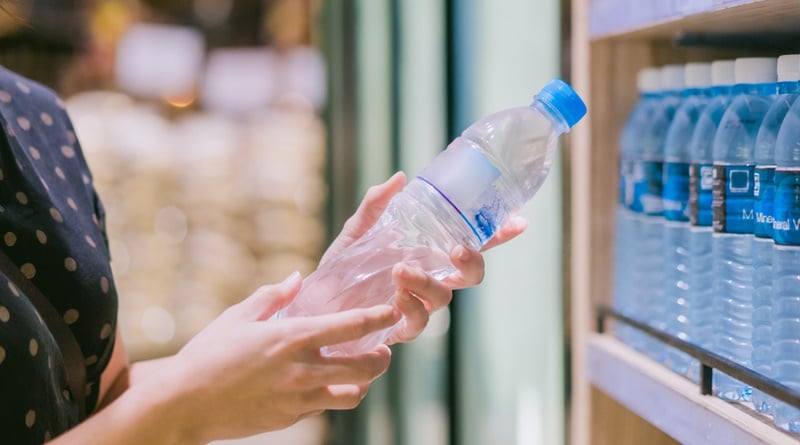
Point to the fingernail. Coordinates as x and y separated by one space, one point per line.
462 253
292 279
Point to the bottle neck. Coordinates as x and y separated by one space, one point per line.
555 117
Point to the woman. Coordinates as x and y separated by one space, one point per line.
239 376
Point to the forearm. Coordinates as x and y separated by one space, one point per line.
150 410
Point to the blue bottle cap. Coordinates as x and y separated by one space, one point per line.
559 96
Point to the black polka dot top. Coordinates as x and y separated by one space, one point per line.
51 225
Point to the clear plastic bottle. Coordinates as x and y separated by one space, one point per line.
733 218
677 159
647 171
700 149
462 197
763 193
625 301
786 266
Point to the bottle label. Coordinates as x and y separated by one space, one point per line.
786 228
732 199
701 184
647 187
763 199
676 191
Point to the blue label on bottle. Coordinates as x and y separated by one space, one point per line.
676 191
701 184
732 200
786 228
646 187
763 199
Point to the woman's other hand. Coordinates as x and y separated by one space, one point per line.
242 375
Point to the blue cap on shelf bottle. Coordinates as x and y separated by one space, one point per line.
461 198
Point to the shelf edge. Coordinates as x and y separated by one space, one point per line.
670 402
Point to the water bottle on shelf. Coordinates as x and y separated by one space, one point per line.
786 266
647 258
648 83
697 77
733 217
462 197
763 193
700 293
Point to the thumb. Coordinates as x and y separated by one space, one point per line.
267 300
369 211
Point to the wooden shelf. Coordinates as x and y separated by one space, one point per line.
640 19
610 41
672 403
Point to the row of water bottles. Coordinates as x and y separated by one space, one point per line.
708 220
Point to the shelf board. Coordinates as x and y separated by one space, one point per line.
642 19
672 403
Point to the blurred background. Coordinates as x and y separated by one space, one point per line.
230 139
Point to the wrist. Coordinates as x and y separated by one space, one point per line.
163 386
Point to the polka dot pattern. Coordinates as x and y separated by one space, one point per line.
10 239
68 151
24 123
105 332
52 229
71 316
29 270
56 215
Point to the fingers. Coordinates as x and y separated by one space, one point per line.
415 318
267 300
355 369
433 293
346 389
367 214
513 227
331 329
470 268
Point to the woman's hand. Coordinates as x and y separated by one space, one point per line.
418 293
243 375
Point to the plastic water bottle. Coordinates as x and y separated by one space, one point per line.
697 77
788 88
648 260
786 266
462 197
625 301
733 218
700 184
